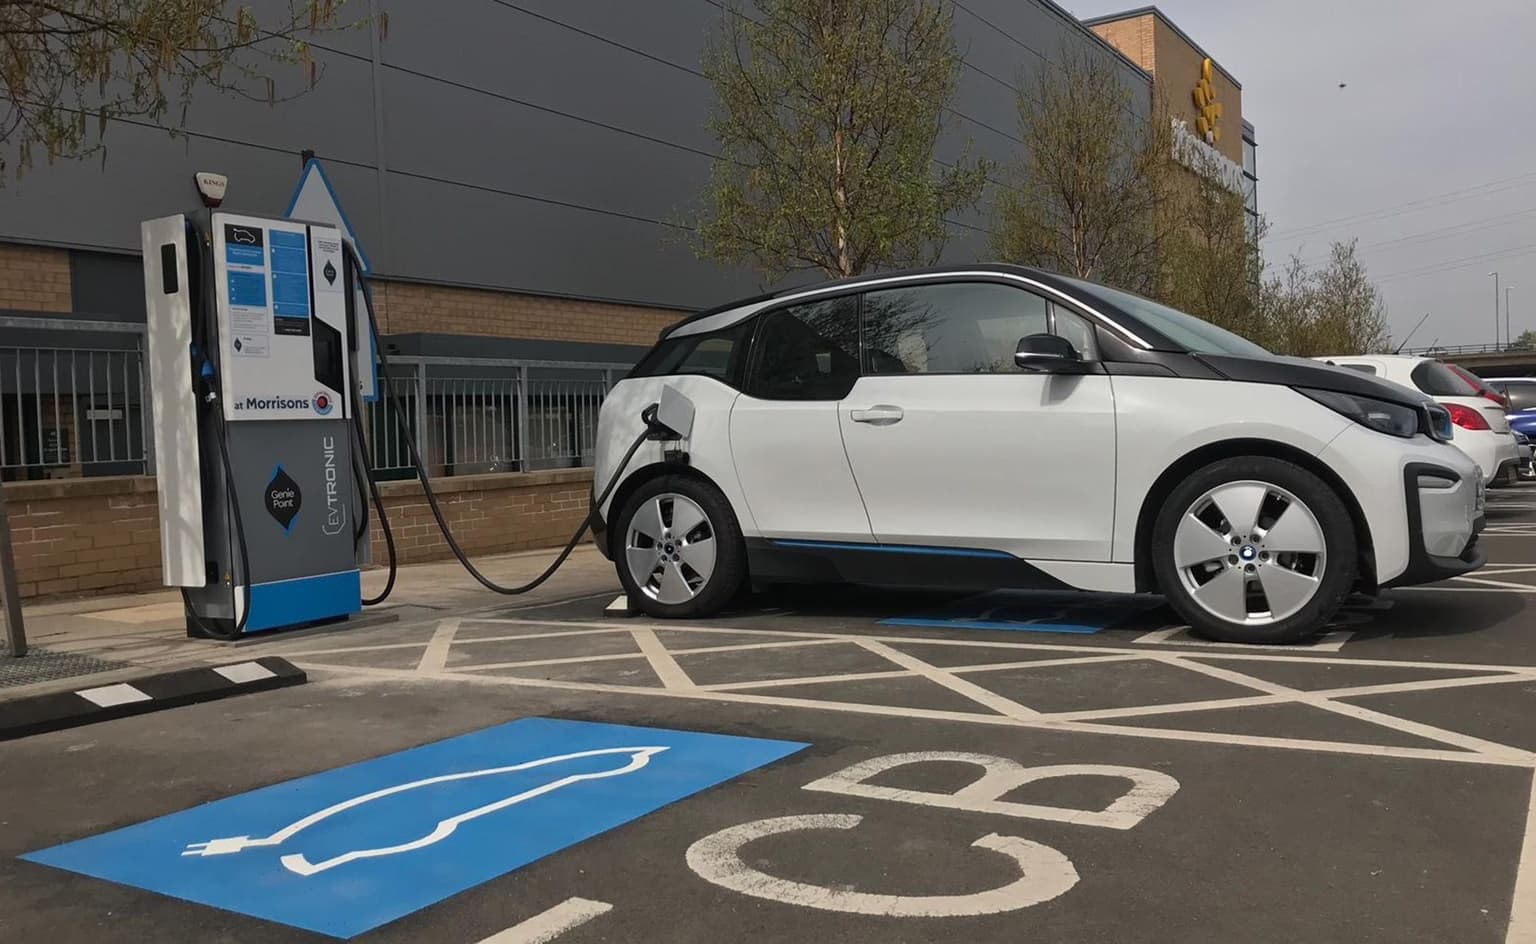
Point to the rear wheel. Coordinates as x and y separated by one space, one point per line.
1254 550
680 551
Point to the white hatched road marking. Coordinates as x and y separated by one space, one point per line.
435 658
1459 748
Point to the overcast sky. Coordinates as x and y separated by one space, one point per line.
1439 112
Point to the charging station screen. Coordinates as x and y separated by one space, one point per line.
290 283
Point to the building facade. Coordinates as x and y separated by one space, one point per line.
522 179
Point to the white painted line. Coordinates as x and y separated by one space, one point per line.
1181 636
245 672
1043 663
959 686
109 695
548 925
1503 584
1522 911
808 680
435 658
1439 589
1266 653
893 711
619 657
666 668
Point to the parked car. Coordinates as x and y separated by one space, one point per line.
995 426
1521 393
1527 458
1482 429
1483 390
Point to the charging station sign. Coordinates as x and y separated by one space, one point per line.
282 318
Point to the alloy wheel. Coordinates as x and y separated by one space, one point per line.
670 548
1250 553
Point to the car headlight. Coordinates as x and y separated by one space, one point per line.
1394 419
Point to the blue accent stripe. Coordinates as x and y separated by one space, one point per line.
896 549
304 600
992 624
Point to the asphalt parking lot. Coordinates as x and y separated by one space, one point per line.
837 765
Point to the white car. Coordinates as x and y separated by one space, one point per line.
1482 429
993 426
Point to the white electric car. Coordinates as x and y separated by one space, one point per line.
993 426
1482 429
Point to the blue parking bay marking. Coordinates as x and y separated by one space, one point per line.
1033 612
346 850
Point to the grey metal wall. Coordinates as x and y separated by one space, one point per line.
541 146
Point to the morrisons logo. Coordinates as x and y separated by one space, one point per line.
275 403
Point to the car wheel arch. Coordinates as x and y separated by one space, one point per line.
637 479
1152 502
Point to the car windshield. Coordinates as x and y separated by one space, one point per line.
1194 335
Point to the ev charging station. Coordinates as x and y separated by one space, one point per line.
251 348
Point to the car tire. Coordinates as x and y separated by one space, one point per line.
1279 582
679 574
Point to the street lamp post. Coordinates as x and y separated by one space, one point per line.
1495 309
1508 338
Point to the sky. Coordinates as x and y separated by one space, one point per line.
1427 156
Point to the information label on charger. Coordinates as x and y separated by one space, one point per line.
282 318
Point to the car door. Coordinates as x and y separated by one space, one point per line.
953 445
785 440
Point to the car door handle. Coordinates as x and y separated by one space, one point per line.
879 415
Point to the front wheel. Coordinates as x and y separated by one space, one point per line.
1254 550
680 552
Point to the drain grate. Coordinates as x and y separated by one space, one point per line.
44 665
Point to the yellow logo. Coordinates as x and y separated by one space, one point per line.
1207 108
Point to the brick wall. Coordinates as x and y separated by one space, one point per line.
407 307
34 279
487 513
102 535
1133 37
85 535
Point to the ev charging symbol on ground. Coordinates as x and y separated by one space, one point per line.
345 850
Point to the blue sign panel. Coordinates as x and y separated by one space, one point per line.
344 851
247 290
1029 611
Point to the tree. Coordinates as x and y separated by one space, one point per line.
1525 342
1333 310
1211 265
828 114
1089 195
71 66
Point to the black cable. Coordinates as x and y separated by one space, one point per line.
421 469
208 374
378 502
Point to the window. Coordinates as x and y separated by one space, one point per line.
1522 395
1438 380
954 328
1190 333
1075 328
716 354
808 352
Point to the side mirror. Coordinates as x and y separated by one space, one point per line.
1048 354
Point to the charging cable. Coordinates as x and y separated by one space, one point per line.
213 400
652 426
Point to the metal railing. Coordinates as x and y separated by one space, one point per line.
69 411
1455 350
73 409
476 415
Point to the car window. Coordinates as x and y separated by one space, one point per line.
1438 380
716 354
1076 329
1187 331
1522 396
807 352
950 328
